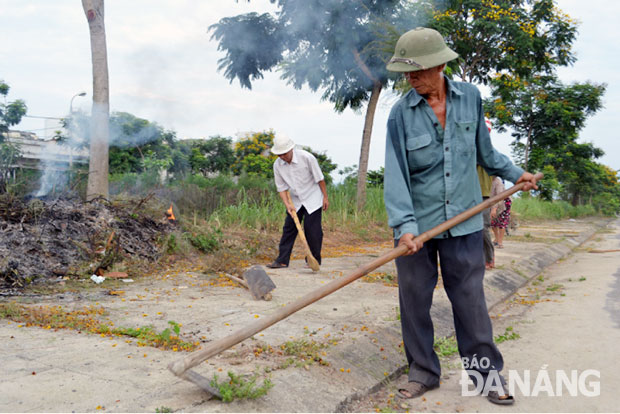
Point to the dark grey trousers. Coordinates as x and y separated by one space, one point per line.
462 270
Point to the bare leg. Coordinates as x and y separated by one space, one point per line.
500 237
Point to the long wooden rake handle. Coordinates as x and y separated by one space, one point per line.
180 366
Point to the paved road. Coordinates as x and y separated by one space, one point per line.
568 320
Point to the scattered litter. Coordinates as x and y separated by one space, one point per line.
127 280
97 279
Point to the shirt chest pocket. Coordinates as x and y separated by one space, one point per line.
465 136
420 152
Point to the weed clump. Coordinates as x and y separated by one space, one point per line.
238 387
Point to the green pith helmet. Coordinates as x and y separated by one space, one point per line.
420 49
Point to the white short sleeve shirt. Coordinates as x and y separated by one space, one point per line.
300 178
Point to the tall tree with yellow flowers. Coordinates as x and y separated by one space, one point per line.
518 37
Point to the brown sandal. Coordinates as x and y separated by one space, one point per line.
414 390
504 399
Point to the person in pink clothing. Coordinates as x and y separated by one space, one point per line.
500 213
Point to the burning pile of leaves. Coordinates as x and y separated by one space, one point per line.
43 239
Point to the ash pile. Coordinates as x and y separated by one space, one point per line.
43 240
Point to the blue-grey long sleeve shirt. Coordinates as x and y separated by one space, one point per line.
430 172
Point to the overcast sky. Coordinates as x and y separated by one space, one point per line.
163 67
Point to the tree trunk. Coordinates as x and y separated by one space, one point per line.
363 165
100 116
576 199
527 147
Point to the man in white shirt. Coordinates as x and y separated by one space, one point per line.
298 172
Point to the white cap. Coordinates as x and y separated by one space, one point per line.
282 144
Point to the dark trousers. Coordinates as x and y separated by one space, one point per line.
462 270
312 230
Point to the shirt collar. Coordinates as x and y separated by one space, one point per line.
295 160
413 98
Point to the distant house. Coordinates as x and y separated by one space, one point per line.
44 154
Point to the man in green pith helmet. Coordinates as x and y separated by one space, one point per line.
436 135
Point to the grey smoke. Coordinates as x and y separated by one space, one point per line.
76 141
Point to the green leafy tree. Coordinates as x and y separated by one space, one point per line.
181 153
132 138
607 198
518 37
375 177
349 175
11 113
257 166
328 45
545 117
215 155
578 172
549 187
252 155
542 113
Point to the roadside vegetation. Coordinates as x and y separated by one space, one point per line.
88 319
240 387
533 208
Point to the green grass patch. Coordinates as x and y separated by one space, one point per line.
238 387
508 335
530 208
9 311
554 287
205 242
445 346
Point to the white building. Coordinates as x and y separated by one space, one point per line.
41 154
